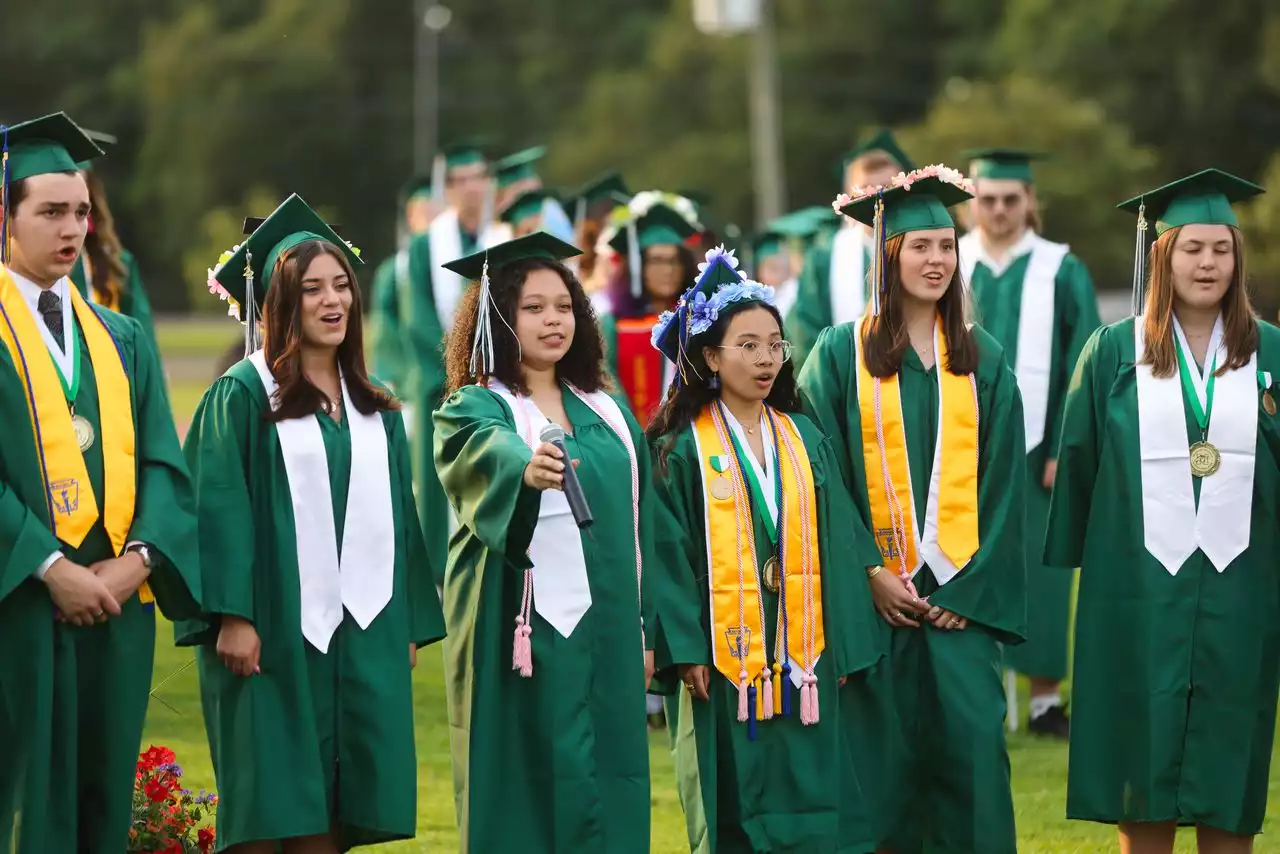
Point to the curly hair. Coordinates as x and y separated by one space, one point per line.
582 364
685 400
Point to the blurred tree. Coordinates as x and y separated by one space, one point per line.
1260 223
1095 163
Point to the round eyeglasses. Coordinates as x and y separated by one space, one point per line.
753 352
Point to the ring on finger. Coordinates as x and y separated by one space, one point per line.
954 622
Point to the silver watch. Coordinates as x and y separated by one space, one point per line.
143 551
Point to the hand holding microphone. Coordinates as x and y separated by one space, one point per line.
549 470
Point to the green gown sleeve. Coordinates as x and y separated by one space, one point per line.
1078 305
165 508
991 589
386 344
1078 452
811 313
25 541
426 618
481 461
822 381
217 449
683 632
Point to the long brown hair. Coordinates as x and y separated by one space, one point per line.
104 254
1239 330
886 338
582 364
282 344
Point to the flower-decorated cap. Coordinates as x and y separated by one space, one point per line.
881 140
104 141
660 225
518 166
45 145
912 202
539 244
1203 198
526 204
718 286
1013 164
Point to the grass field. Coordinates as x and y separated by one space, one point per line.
1039 767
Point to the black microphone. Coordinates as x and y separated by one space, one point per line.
554 434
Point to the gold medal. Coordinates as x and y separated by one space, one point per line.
772 576
1268 403
721 489
1205 459
84 432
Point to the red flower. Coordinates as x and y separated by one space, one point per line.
154 757
157 791
204 839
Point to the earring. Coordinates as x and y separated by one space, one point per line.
714 382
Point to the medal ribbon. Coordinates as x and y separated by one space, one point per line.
757 490
1200 399
70 504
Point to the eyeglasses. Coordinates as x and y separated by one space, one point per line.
753 352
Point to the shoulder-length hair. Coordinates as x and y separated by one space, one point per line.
685 400
1240 331
886 338
102 248
582 364
625 304
282 343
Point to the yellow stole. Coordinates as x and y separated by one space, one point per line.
950 537
72 507
737 609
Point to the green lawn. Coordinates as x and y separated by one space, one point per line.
1039 767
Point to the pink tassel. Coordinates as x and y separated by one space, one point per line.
522 651
809 700
742 695
768 695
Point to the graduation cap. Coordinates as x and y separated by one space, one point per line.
419 186
519 166
104 141
245 276
465 152
527 204
1013 164
660 225
608 188
477 266
881 140
41 146
1204 198
917 202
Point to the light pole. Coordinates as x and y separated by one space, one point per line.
430 19
732 17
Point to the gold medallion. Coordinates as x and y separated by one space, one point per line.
84 432
1268 403
1205 459
772 575
721 489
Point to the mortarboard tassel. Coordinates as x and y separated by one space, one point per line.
482 342
580 213
1140 261
633 260
439 174
4 196
877 261
250 307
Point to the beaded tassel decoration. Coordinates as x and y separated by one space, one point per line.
1140 261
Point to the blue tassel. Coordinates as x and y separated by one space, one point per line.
786 690
4 195
751 713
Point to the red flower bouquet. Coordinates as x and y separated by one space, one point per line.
165 815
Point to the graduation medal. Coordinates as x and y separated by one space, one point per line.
721 489
1268 403
84 432
1205 459
772 574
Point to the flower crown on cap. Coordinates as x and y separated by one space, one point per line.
216 288
698 310
903 181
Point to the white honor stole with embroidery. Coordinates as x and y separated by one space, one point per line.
361 578
1173 527
848 275
445 240
1034 361
561 591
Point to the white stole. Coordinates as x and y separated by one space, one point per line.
445 238
848 275
362 578
785 296
1034 361
1173 527
561 590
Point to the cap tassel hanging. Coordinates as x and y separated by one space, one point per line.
633 259
482 343
4 196
877 260
439 174
250 307
580 213
1140 261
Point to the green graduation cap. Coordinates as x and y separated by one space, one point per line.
527 204
465 152
1203 198
923 206
539 244
48 144
767 244
608 188
104 141
659 226
1012 164
292 223
881 140
419 186
519 166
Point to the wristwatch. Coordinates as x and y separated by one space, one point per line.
143 551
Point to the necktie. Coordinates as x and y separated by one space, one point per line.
50 308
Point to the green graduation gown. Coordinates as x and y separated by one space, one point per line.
133 296
335 729
812 310
928 726
73 700
794 788
1075 316
560 761
1176 676
408 352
